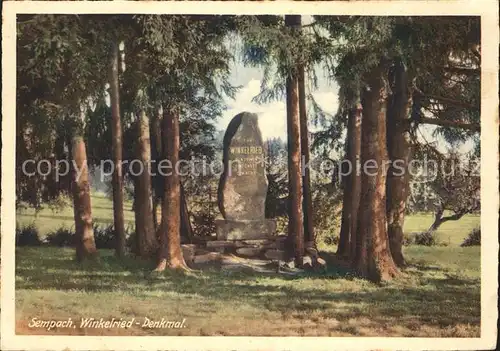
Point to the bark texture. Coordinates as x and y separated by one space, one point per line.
304 144
345 224
145 231
440 219
295 219
355 158
116 132
170 253
398 147
157 148
186 227
374 259
85 244
352 183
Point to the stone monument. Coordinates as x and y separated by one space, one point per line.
243 184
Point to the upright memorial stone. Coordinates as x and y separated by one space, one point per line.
243 184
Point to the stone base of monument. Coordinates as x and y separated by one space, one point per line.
271 248
243 252
245 229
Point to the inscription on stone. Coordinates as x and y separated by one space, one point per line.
243 185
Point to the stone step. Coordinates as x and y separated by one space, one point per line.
249 251
188 251
256 243
312 252
220 243
273 254
259 242
209 257
320 265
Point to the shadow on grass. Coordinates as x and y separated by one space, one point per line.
49 216
438 302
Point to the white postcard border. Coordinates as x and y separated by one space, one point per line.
487 9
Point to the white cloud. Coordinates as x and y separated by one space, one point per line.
272 116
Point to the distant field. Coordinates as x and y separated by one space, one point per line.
47 221
438 294
453 232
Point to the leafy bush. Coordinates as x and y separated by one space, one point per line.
131 242
409 239
59 203
426 239
473 239
421 238
104 236
61 237
331 239
204 223
27 236
328 216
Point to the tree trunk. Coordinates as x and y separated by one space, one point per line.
398 147
345 224
156 220
186 228
438 220
85 244
352 183
304 144
145 231
355 158
157 149
116 132
435 225
374 259
295 219
170 253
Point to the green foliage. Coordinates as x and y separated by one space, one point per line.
105 236
180 62
27 236
276 170
446 278
473 238
204 223
327 214
424 238
441 55
457 185
59 203
62 237
131 242
278 49
56 74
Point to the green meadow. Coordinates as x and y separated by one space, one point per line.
438 294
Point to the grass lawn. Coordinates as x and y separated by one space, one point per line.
47 221
451 232
438 294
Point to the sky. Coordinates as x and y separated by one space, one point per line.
272 116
